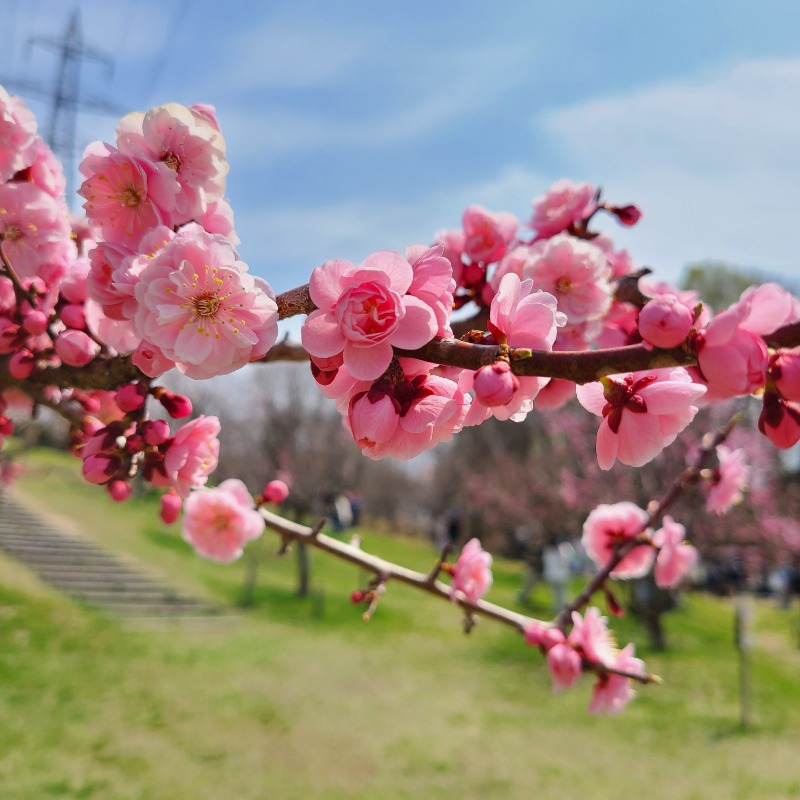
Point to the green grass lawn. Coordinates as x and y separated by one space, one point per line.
300 699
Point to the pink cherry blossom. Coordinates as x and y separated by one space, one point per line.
518 317
34 232
199 306
363 311
188 144
612 692
565 666
665 321
404 418
728 481
126 197
17 135
487 234
150 360
219 522
537 634
590 635
609 527
642 413
191 455
675 556
472 573
575 272
433 283
564 204
46 171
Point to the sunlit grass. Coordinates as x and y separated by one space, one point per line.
300 699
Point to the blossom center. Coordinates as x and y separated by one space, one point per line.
205 305
130 198
171 160
12 233
563 285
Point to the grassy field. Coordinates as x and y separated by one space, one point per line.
299 699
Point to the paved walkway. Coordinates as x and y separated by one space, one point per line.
88 573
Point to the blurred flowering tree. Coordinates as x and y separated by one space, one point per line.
93 311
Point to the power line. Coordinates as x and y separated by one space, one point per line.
64 96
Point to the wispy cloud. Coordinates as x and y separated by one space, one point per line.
713 163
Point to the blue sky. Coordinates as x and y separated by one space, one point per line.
357 126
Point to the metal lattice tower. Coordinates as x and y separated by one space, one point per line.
65 96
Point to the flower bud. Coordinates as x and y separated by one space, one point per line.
73 317
665 321
275 492
784 370
780 421
119 490
155 431
626 215
35 322
131 397
75 348
495 385
100 468
171 505
21 364
176 405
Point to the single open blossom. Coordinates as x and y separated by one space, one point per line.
609 527
575 272
642 413
728 481
472 573
487 234
731 353
405 417
191 456
201 308
564 204
612 692
675 556
363 311
219 522
590 635
126 197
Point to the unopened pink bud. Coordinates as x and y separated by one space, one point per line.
627 215
538 634
784 370
176 405
73 317
35 322
171 505
9 336
100 468
6 426
495 385
76 348
155 432
119 490
665 321
21 364
780 421
131 397
275 492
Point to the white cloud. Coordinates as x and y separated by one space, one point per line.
712 162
